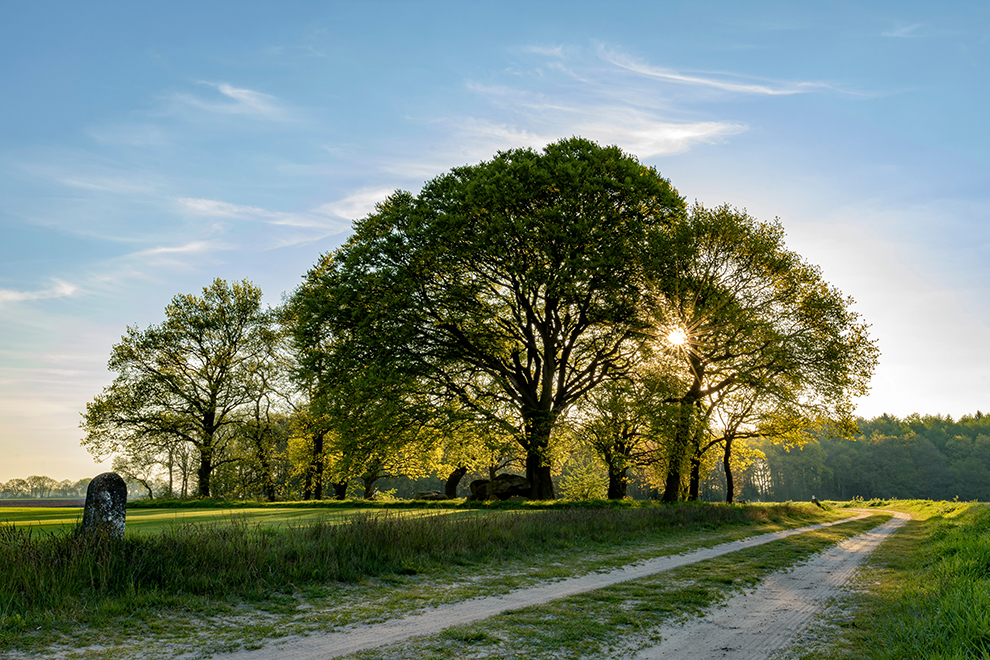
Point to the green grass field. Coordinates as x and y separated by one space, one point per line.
57 587
144 521
189 571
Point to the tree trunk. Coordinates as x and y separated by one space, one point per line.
729 486
369 487
339 490
205 470
694 486
318 464
267 480
537 441
672 486
450 488
206 453
682 441
617 482
538 475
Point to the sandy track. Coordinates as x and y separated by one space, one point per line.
755 625
428 622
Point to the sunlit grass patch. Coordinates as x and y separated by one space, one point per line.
146 521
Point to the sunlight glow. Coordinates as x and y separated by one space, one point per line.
677 337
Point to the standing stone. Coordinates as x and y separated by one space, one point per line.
106 506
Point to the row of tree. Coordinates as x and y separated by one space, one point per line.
537 311
917 457
39 486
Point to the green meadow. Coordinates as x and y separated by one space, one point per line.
220 576
145 521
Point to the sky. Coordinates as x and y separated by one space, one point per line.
148 148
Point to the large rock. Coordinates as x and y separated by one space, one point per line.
106 506
505 486
478 491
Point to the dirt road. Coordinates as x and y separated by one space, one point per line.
784 604
755 625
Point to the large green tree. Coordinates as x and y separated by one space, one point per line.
186 380
745 314
515 286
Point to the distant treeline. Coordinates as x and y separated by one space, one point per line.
923 457
40 486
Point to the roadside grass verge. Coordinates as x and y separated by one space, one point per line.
52 585
925 593
621 619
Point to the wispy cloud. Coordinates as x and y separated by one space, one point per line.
212 208
356 205
549 51
324 220
647 137
192 247
110 184
59 289
721 81
902 32
237 101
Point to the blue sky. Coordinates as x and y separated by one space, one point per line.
146 148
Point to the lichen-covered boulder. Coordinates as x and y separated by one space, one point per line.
106 506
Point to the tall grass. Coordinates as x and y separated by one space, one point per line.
54 576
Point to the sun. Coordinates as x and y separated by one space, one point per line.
677 337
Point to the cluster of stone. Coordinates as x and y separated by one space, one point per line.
502 487
430 495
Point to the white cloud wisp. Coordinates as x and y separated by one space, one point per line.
60 289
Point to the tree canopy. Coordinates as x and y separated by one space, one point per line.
184 381
560 309
515 287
